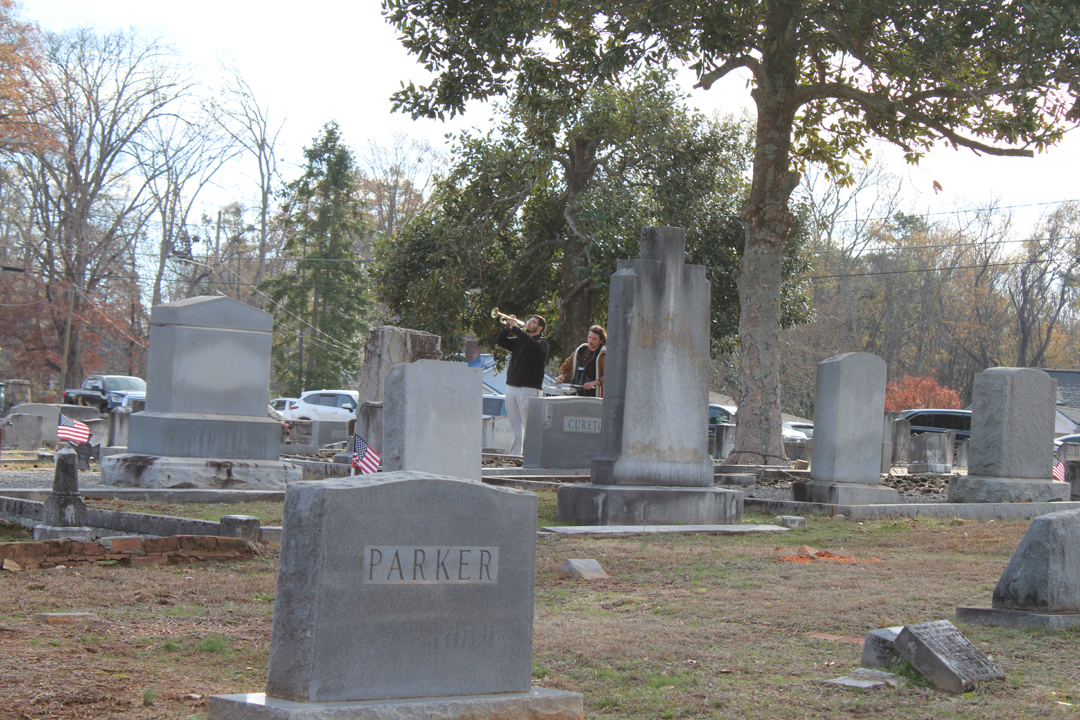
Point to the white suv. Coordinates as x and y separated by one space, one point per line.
331 405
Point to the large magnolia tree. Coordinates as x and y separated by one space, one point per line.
826 75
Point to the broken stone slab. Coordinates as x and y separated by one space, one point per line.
582 569
791 521
878 650
944 656
866 679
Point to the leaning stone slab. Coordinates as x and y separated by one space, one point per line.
791 521
944 656
537 704
582 569
629 530
878 648
403 585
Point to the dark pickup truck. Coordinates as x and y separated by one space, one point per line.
105 392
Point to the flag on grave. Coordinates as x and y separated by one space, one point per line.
364 458
1059 471
73 430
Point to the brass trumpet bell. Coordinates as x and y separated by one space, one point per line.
495 314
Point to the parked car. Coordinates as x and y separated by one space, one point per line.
792 435
104 392
494 405
284 405
329 405
939 420
1059 441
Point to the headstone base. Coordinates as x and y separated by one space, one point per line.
589 504
539 704
152 471
983 489
53 532
1019 619
843 493
929 469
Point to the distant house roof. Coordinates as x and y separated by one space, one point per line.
1068 393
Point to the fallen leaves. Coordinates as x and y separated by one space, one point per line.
807 555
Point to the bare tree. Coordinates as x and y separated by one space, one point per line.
394 179
182 154
1045 283
247 122
88 198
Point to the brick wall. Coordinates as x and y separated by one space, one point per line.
133 551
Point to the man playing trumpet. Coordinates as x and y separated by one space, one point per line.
525 373
586 365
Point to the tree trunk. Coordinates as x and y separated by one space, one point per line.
579 165
758 438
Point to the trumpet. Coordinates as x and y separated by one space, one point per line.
495 314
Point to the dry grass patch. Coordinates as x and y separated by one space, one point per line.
685 627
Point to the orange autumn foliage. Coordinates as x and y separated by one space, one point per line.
919 392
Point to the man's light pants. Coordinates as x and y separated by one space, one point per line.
517 412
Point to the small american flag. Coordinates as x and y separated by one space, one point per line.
73 430
364 458
1059 471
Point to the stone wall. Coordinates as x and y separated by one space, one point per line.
131 551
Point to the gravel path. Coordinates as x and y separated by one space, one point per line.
44 478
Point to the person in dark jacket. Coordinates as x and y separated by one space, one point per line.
525 373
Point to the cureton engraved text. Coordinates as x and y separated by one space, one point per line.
429 565
581 424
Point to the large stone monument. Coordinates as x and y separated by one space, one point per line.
653 465
848 412
205 422
1040 588
1011 449
431 422
407 595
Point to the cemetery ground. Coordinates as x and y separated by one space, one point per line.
685 627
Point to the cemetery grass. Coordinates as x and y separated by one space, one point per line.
685 627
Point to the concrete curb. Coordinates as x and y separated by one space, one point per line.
965 511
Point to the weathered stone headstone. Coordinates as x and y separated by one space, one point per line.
431 420
1040 588
24 431
386 347
866 679
564 432
1010 453
1072 476
205 423
931 453
64 512
896 431
878 650
1068 451
944 656
848 411
407 588
582 569
653 465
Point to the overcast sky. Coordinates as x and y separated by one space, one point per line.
319 60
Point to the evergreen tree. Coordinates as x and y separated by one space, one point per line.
320 304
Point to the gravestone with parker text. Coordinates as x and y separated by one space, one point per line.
404 595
